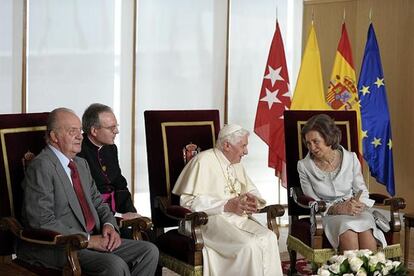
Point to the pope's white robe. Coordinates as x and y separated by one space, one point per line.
233 244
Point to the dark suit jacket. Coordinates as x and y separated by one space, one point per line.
110 179
50 203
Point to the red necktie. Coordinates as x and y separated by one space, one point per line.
90 221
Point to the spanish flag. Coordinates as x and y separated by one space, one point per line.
342 92
309 93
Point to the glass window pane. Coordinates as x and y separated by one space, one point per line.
10 55
180 64
70 54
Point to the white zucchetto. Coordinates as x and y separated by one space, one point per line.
228 130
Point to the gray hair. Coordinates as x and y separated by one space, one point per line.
90 117
52 120
233 137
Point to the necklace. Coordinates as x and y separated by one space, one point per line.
329 164
231 184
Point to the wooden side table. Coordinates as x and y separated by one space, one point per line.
408 222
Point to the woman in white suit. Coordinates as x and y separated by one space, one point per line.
331 173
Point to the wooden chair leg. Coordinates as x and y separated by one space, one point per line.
408 223
293 259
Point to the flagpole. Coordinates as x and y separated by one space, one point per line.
133 94
279 176
24 57
226 78
313 15
366 170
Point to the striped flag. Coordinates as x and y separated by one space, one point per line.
342 92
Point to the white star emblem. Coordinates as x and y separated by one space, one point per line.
365 90
274 75
364 134
376 142
270 98
379 82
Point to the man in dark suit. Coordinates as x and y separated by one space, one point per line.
60 195
100 129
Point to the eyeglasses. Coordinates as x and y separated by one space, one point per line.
111 128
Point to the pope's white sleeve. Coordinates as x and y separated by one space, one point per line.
203 203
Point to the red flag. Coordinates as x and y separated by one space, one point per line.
273 100
342 91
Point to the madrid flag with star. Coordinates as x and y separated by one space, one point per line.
273 100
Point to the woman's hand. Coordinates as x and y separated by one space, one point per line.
349 207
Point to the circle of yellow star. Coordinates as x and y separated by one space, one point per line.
376 142
365 90
389 144
379 82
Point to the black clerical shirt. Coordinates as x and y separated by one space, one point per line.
104 165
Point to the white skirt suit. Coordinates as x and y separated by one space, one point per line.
338 186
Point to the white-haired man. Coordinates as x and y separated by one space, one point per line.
215 182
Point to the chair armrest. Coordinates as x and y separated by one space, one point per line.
307 202
395 204
316 209
378 198
43 237
140 227
188 220
273 211
175 212
196 219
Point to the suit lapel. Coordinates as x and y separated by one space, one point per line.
68 188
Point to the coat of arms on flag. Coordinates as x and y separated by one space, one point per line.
342 93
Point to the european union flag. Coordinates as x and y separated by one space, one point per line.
376 125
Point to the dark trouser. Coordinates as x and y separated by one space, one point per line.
131 258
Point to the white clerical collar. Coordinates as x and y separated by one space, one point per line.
222 158
99 147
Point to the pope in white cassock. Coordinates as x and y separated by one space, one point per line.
215 182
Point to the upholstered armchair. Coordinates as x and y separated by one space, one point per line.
22 138
173 138
306 234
